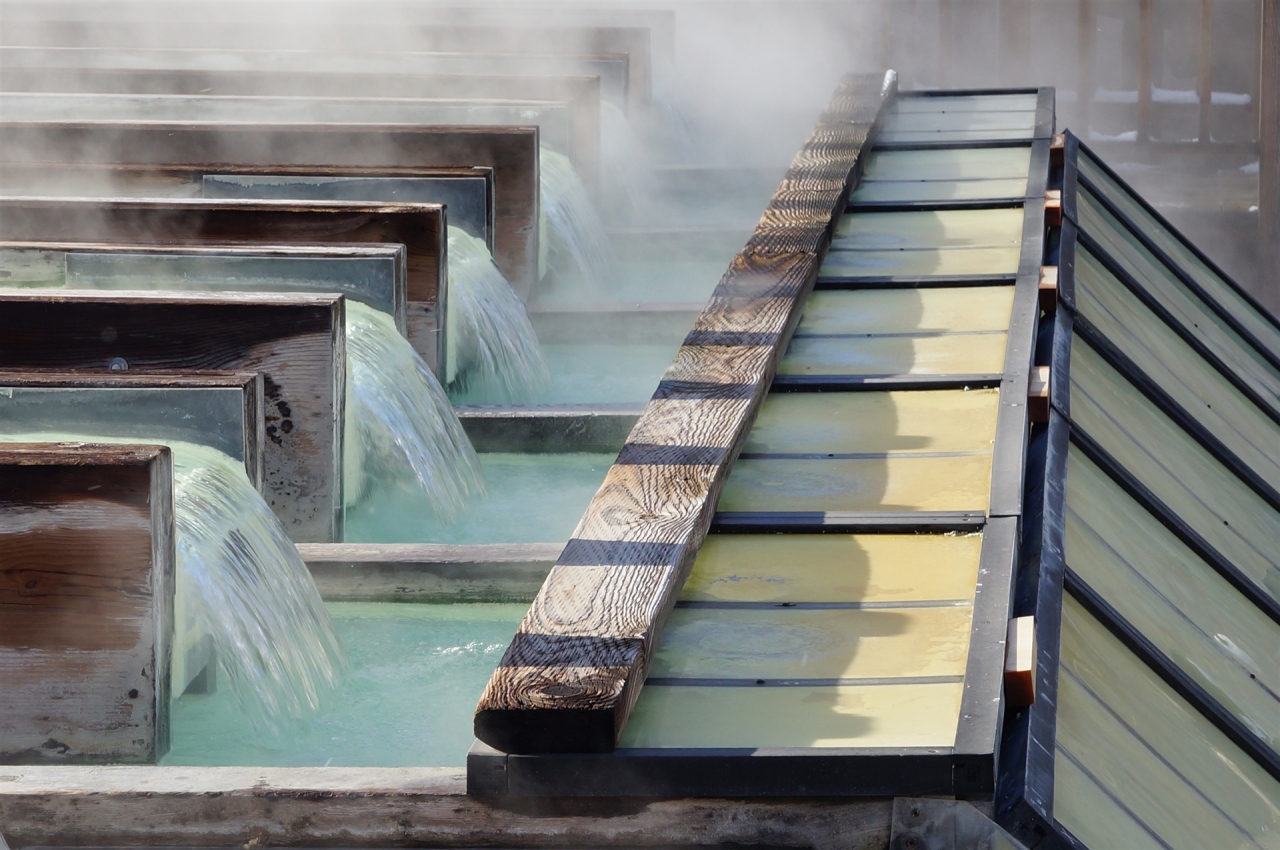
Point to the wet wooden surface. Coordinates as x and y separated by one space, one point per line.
86 589
295 341
572 673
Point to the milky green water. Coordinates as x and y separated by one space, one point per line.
627 372
531 498
415 676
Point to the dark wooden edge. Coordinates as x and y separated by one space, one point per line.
659 773
881 383
846 522
558 690
888 282
1172 675
1024 795
970 92
953 145
981 707
1074 145
1072 238
249 383
931 206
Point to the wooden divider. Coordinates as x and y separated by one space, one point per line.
86 596
571 675
296 341
512 153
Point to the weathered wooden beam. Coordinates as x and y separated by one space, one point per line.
296 341
570 677
511 152
429 572
86 596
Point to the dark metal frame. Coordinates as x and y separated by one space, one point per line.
966 769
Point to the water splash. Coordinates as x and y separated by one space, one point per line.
239 579
401 430
493 353
247 584
574 237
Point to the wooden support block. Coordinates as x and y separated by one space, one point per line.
1053 208
1048 288
296 341
1020 662
570 677
511 153
1038 394
86 596
1058 149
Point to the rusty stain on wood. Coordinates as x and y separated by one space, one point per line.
571 675
86 594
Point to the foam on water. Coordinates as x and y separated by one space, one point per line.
493 352
573 235
239 579
401 431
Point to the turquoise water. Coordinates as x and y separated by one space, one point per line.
532 498
587 372
408 698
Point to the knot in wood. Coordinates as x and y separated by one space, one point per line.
562 690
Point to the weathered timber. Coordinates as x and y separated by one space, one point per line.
86 596
429 572
392 807
511 153
223 410
419 227
571 675
296 341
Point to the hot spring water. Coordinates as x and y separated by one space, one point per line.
239 578
493 352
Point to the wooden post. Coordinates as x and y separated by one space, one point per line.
86 596
1204 72
570 677
1269 154
295 341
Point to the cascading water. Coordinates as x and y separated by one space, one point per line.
577 245
401 430
628 170
240 580
493 352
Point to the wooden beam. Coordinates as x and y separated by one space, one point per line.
512 153
86 596
570 677
295 341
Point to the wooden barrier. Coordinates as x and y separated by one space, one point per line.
86 594
296 341
419 227
571 675
510 152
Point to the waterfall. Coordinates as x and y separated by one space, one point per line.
401 431
493 354
576 243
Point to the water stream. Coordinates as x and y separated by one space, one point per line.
578 252
401 431
493 355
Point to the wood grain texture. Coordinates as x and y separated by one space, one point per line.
512 153
570 677
295 341
86 594
393 807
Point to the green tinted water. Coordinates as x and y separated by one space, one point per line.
532 498
416 674
606 373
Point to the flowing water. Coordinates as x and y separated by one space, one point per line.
239 579
401 431
493 354
628 170
578 250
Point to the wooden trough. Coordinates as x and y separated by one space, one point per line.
295 340
86 594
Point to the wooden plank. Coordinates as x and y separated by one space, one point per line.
193 415
86 596
429 572
511 152
570 677
419 227
296 341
